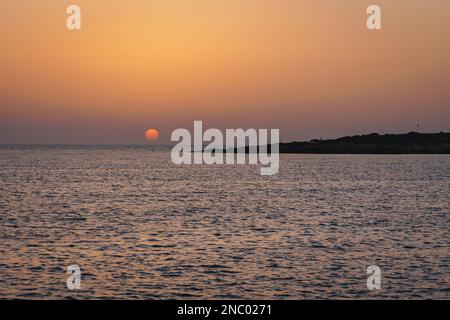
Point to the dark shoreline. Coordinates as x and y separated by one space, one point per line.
409 143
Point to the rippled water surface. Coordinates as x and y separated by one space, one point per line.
140 227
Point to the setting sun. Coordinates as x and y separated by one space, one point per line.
152 134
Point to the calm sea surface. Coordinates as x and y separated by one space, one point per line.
140 227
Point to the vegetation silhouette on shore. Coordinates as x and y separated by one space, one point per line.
409 143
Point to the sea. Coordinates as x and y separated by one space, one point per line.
138 226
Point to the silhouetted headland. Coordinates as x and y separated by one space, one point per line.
409 143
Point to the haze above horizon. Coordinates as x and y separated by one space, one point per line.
311 69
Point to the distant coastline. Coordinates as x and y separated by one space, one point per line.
408 143
374 143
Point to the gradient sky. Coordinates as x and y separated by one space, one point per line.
309 68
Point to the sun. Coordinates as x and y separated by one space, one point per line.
152 134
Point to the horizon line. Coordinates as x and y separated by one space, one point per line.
171 145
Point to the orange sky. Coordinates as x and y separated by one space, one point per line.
310 68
